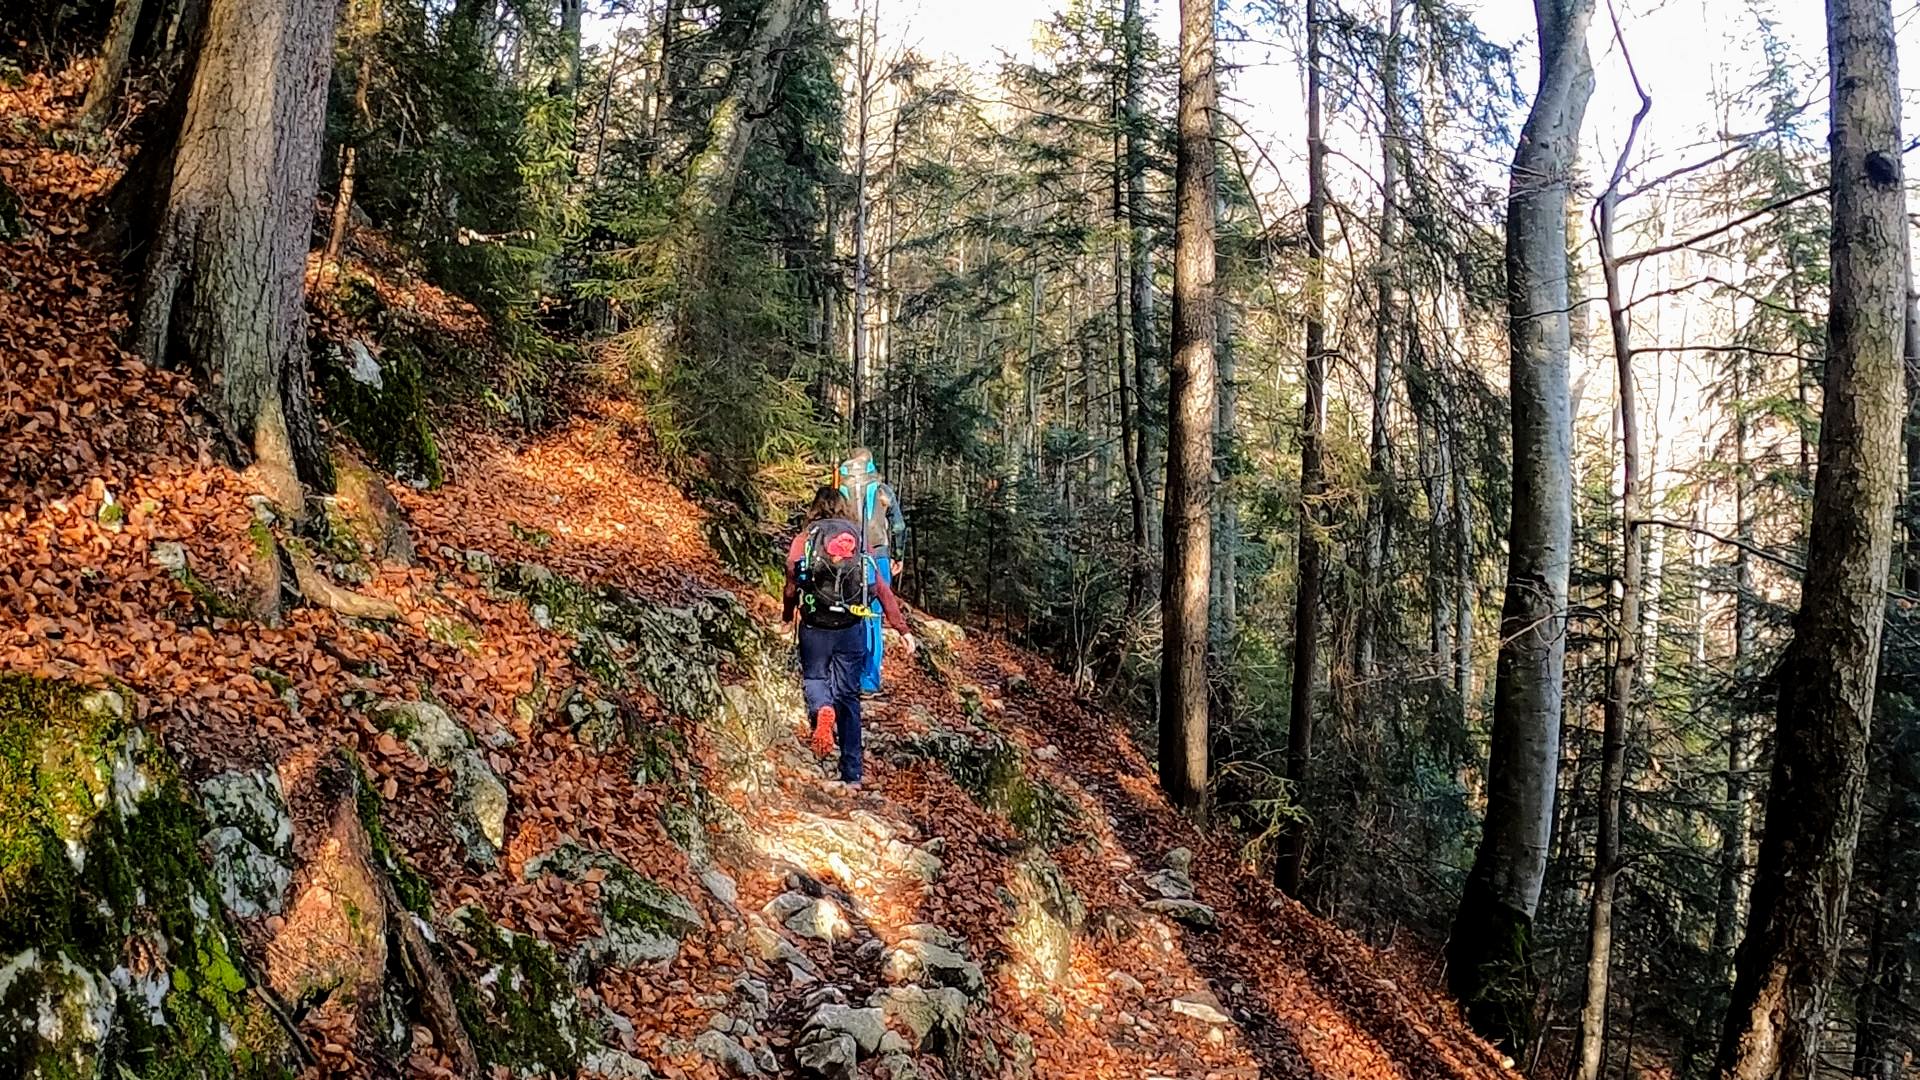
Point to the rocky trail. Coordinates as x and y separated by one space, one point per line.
515 788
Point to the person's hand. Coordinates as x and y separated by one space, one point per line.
786 631
912 648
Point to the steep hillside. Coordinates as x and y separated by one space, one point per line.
515 789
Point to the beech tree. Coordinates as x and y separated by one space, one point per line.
1826 680
1190 418
1490 954
224 293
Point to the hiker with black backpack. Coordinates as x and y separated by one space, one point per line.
876 509
831 585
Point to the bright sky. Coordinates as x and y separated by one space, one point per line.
1688 52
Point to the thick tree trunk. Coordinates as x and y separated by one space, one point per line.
1190 409
1490 954
1619 705
224 293
1826 678
1313 422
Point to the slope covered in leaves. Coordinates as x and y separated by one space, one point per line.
101 469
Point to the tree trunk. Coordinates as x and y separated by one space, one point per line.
1386 337
1826 678
1137 571
1226 528
750 86
1146 351
570 17
98 105
863 100
1190 409
363 32
224 293
1619 706
1306 610
1490 954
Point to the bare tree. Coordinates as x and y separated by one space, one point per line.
1626 658
1190 417
1799 902
1490 954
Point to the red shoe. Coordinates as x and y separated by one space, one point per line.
823 731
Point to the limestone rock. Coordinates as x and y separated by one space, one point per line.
899 1067
611 1064
1181 860
521 1009
1171 884
731 1055
643 921
480 798
866 1026
1202 1007
57 1015
1191 912
810 917
922 961
1047 914
933 1021
251 840
827 1055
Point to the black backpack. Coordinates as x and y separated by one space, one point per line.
833 576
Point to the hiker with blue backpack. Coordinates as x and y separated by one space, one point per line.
833 587
876 510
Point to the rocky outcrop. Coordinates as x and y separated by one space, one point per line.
479 797
115 948
642 922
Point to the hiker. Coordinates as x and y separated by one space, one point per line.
832 587
877 511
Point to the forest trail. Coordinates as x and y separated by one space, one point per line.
599 773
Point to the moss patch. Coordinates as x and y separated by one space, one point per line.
100 868
412 889
389 421
519 1006
992 771
1490 968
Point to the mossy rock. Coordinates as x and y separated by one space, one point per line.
993 771
675 653
517 1003
382 404
642 921
108 913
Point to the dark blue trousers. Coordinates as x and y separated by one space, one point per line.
831 663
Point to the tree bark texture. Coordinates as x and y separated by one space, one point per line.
224 293
1190 414
1796 926
1306 609
1490 954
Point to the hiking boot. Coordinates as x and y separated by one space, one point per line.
823 731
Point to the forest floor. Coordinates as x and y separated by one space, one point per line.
83 425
